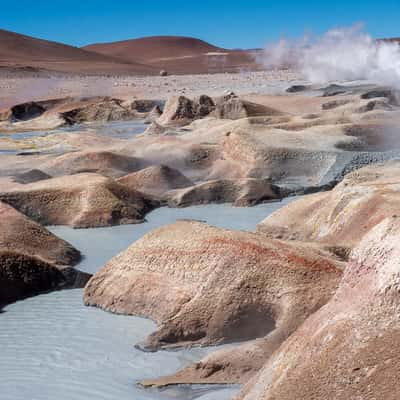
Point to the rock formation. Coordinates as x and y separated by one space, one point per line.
99 109
340 217
212 286
105 163
349 348
22 276
82 201
232 107
21 235
155 180
240 192
33 175
48 114
179 111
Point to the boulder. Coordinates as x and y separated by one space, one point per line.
349 348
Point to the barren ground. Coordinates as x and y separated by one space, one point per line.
15 88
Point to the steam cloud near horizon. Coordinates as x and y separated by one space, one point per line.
343 54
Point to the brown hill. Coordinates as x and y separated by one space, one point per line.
178 54
20 51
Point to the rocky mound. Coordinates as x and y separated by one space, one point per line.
295 156
81 200
48 114
240 192
30 110
155 180
211 286
22 235
349 348
106 163
97 109
179 111
340 217
22 276
232 107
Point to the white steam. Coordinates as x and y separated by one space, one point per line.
339 55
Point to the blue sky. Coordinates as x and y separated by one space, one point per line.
243 23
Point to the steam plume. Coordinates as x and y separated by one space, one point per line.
339 55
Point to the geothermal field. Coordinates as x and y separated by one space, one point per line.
183 221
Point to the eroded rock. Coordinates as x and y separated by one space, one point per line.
232 107
33 175
179 111
82 201
155 180
21 235
106 163
212 285
106 109
340 217
240 192
297 88
349 348
388 93
22 276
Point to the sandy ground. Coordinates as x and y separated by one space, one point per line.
20 88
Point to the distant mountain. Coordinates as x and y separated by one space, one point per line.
25 52
178 54
145 56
